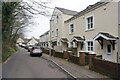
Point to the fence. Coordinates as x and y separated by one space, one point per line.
105 67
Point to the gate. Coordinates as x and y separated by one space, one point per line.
86 58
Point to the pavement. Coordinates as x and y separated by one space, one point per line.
73 69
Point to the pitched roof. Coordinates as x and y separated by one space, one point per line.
106 36
77 38
45 33
33 38
64 40
66 11
89 8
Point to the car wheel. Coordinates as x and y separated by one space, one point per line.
39 55
30 54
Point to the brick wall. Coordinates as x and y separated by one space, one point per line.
73 59
105 67
58 54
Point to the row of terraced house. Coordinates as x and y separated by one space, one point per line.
95 30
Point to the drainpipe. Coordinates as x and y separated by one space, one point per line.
118 54
50 37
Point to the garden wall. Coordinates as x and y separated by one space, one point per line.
105 67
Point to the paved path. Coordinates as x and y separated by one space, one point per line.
22 65
76 70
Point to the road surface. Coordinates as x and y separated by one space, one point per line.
22 65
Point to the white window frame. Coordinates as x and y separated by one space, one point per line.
71 29
86 21
57 17
90 46
58 43
109 53
57 33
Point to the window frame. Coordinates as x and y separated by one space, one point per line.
70 44
109 53
70 29
90 46
52 34
86 20
58 43
56 32
57 17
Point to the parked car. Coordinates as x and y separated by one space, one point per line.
23 45
36 50
26 47
29 48
20 44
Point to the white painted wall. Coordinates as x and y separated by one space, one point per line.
119 31
44 39
119 11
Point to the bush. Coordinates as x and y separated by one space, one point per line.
7 51
12 50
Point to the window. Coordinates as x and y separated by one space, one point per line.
71 44
52 33
109 48
71 29
90 46
57 19
90 22
58 44
47 45
56 32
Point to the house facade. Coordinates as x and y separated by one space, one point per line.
57 25
44 39
20 40
95 30
32 42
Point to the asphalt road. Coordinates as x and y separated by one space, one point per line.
22 65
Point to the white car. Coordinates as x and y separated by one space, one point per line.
36 50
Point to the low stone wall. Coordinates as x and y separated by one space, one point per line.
105 67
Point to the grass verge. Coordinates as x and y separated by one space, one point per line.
7 51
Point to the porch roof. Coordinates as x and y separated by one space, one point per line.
106 36
53 41
64 40
77 38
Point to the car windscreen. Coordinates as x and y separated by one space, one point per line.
37 47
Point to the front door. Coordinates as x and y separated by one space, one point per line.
108 52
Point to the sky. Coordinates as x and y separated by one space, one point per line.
41 23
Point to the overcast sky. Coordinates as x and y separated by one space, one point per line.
42 23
